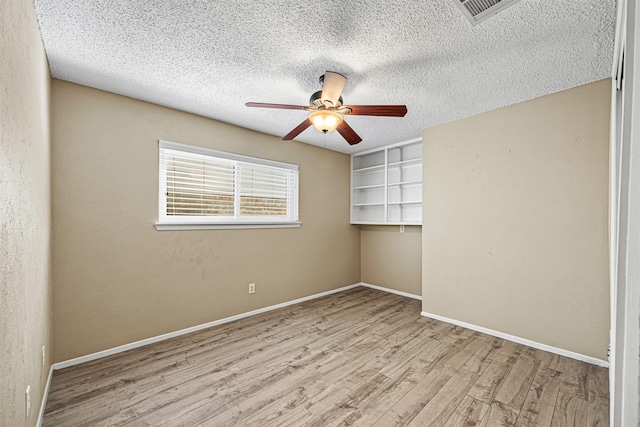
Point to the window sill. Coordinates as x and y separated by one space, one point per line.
170 226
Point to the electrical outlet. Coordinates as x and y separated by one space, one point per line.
402 228
252 288
44 354
27 401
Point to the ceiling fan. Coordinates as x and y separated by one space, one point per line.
327 109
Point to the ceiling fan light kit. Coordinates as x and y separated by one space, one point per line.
325 120
327 110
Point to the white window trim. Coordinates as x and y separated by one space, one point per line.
179 223
170 226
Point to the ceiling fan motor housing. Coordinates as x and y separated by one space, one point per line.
317 101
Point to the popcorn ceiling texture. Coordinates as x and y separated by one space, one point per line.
210 57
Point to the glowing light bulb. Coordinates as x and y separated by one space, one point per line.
325 120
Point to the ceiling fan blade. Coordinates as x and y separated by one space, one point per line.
348 133
378 110
332 86
297 130
280 106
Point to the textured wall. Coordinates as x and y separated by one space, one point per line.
392 259
25 213
118 279
515 224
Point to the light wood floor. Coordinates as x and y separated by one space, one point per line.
359 357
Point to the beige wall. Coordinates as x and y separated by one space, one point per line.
392 259
515 220
25 213
118 280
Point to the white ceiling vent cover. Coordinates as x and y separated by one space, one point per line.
477 11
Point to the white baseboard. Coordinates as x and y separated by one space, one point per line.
391 291
152 340
534 344
45 395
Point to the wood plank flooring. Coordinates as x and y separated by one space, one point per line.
360 357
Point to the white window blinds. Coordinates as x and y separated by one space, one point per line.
201 186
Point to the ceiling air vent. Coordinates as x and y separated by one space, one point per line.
477 11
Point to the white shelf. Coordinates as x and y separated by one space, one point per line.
386 185
405 203
409 162
367 187
369 169
367 204
397 184
386 223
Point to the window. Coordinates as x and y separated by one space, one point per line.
202 188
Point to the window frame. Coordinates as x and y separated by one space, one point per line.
185 222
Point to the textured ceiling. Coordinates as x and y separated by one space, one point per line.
210 57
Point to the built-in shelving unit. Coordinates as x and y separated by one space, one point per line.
386 185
